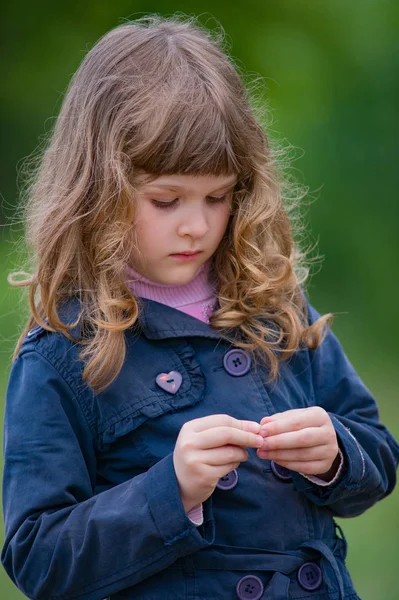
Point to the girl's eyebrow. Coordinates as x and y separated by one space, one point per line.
175 185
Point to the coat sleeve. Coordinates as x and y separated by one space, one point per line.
369 450
62 539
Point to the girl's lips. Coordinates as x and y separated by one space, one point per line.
186 256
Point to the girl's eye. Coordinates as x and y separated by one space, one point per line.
216 199
163 204
160 204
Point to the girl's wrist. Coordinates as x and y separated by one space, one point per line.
188 503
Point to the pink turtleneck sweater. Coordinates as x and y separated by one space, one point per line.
198 299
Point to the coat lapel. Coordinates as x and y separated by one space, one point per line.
158 321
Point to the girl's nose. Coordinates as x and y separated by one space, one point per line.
194 224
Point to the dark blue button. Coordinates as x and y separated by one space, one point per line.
229 481
236 362
249 587
280 472
310 576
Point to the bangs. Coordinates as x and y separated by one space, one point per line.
193 134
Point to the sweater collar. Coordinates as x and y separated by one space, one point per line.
200 288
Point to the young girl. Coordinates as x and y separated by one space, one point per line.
179 422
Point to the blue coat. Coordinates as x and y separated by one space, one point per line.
90 496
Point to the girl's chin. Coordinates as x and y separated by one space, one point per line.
178 276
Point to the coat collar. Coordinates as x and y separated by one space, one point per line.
156 321
159 321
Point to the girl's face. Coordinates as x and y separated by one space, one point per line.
178 214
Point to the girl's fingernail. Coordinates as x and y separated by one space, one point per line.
263 432
259 441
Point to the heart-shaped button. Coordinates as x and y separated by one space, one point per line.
169 381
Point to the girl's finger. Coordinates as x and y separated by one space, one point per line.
305 438
222 436
224 420
221 470
296 454
293 420
224 455
269 418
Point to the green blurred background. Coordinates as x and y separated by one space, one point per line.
331 73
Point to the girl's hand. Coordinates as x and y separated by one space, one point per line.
206 450
302 440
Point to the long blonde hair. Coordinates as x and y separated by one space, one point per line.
161 96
